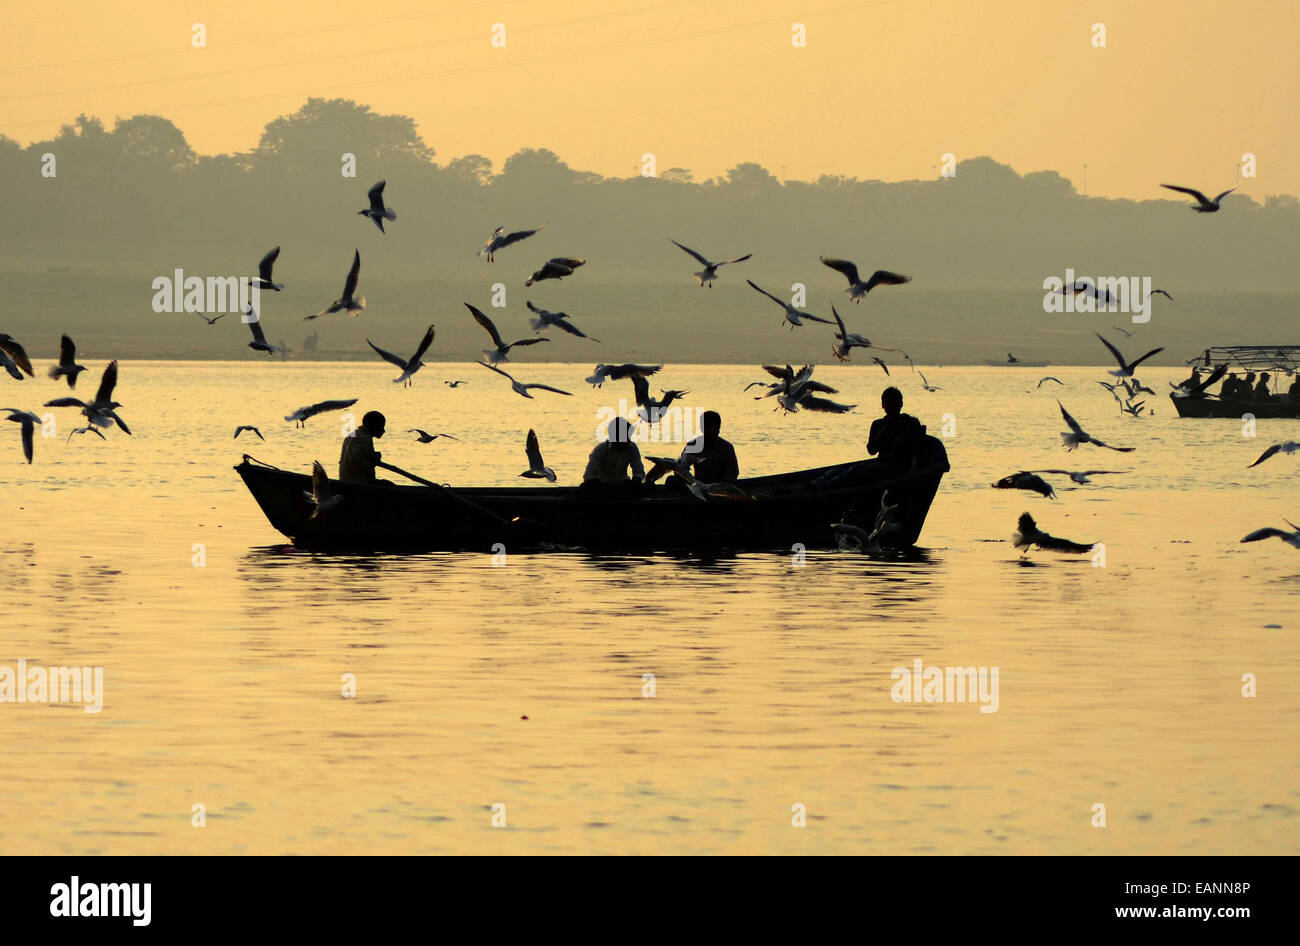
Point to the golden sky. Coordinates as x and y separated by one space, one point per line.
883 88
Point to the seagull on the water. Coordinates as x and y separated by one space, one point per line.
263 278
259 342
1203 204
1028 535
792 315
410 365
302 414
1286 446
709 273
243 427
502 350
519 387
1126 368
556 268
13 357
349 301
602 373
1070 439
499 240
537 470
650 409
857 288
28 420
1290 538
102 411
1079 476
377 211
545 319
1050 378
846 341
1026 480
425 437
67 366
321 496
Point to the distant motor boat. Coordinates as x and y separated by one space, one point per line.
1278 360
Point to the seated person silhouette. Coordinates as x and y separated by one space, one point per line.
708 457
896 437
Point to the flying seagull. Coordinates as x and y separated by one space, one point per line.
102 411
650 409
602 373
211 321
519 387
884 367
243 427
857 288
377 211
499 240
710 270
425 437
1286 446
792 315
1028 535
1290 538
259 342
263 278
796 389
1126 368
537 470
1079 476
1203 204
927 385
349 301
1126 333
321 496
1070 439
409 366
85 430
13 357
556 268
1026 480
501 352
846 341
1198 389
454 384
1050 378
67 366
302 414
560 320
28 420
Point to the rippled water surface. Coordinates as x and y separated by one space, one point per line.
1119 685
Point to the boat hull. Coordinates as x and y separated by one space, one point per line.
1231 407
787 510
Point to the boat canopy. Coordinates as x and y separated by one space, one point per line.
1284 358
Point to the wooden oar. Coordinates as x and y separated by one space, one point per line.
446 491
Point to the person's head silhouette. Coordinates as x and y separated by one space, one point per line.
891 399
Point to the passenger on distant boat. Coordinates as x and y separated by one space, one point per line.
1261 390
359 456
1293 392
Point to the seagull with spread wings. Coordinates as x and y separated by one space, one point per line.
1079 476
545 319
501 351
1126 368
709 273
1286 446
1026 480
349 302
650 409
67 366
259 342
1028 535
302 414
857 288
537 470
499 240
1290 538
603 372
519 387
425 437
263 278
846 341
1076 435
13 357
243 427
377 211
321 496
1203 204
556 268
410 365
792 315
102 411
